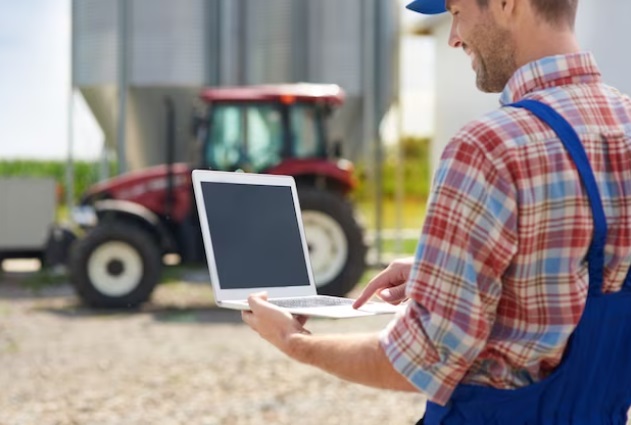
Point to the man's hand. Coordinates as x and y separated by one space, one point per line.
389 284
355 358
273 323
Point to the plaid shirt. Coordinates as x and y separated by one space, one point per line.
499 280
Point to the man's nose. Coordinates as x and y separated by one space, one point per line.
454 37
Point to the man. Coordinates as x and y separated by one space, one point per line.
519 229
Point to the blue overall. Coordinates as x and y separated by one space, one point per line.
592 385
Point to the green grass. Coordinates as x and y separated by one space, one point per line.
85 173
62 214
408 246
44 278
173 274
412 213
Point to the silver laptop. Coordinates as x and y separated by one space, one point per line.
254 241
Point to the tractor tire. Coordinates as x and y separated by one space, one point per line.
335 240
115 265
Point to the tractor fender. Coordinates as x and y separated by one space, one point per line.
131 212
317 173
338 174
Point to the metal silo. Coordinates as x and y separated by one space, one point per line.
129 54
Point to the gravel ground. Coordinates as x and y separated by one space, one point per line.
178 360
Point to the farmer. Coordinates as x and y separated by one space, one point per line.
519 300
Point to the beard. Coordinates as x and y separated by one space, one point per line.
494 49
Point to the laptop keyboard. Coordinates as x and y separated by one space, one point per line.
317 301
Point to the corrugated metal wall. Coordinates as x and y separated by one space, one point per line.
269 38
95 49
335 40
168 43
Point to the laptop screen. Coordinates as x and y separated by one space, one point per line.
255 235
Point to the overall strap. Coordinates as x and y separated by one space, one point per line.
573 145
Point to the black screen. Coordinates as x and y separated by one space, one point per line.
255 235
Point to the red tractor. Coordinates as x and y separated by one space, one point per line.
134 220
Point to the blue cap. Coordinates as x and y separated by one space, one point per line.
428 7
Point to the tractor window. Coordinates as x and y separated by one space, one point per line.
307 135
247 137
264 136
226 152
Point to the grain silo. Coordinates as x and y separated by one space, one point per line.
129 54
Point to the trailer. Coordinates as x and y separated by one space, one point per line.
28 209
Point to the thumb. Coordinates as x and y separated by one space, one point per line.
254 300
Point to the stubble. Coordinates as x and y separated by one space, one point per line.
495 52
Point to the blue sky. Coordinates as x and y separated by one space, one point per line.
35 84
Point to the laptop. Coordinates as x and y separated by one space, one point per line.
254 241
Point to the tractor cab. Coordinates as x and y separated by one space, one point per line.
257 128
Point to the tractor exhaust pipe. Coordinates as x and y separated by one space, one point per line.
170 154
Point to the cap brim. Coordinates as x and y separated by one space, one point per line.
428 7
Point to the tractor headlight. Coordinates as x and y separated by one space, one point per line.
84 216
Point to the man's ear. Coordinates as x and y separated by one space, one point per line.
505 10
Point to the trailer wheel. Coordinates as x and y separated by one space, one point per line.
116 265
335 241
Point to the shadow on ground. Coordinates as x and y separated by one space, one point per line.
171 302
164 314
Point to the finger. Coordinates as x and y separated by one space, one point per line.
382 280
261 295
249 319
393 295
257 300
301 319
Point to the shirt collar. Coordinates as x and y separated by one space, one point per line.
551 71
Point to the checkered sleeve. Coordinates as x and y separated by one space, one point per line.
468 239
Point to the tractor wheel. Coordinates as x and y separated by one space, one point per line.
335 241
116 265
